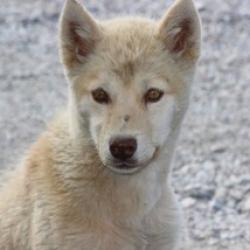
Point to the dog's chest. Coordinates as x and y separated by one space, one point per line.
109 237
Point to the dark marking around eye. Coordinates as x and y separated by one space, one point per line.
101 96
153 95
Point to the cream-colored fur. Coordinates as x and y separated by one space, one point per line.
67 193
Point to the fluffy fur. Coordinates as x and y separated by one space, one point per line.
67 193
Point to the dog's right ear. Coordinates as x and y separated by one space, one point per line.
180 30
78 34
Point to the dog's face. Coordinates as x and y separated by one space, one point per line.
129 80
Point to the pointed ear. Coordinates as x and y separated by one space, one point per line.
78 33
180 30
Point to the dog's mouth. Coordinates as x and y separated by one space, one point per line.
124 167
131 166
127 166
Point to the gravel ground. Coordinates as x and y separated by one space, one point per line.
212 168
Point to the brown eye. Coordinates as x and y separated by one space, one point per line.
100 96
153 95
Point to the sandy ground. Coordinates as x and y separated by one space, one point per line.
212 167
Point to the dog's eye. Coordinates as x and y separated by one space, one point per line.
101 96
153 95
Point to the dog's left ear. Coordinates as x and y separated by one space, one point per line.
180 30
78 34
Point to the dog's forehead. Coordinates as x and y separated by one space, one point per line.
130 29
128 45
129 39
130 51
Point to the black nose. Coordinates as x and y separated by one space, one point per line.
123 148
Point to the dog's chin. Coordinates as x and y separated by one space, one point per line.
129 167
124 169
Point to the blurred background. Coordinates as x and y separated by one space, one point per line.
212 167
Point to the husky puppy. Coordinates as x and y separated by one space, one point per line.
99 177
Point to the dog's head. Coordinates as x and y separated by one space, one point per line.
129 80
